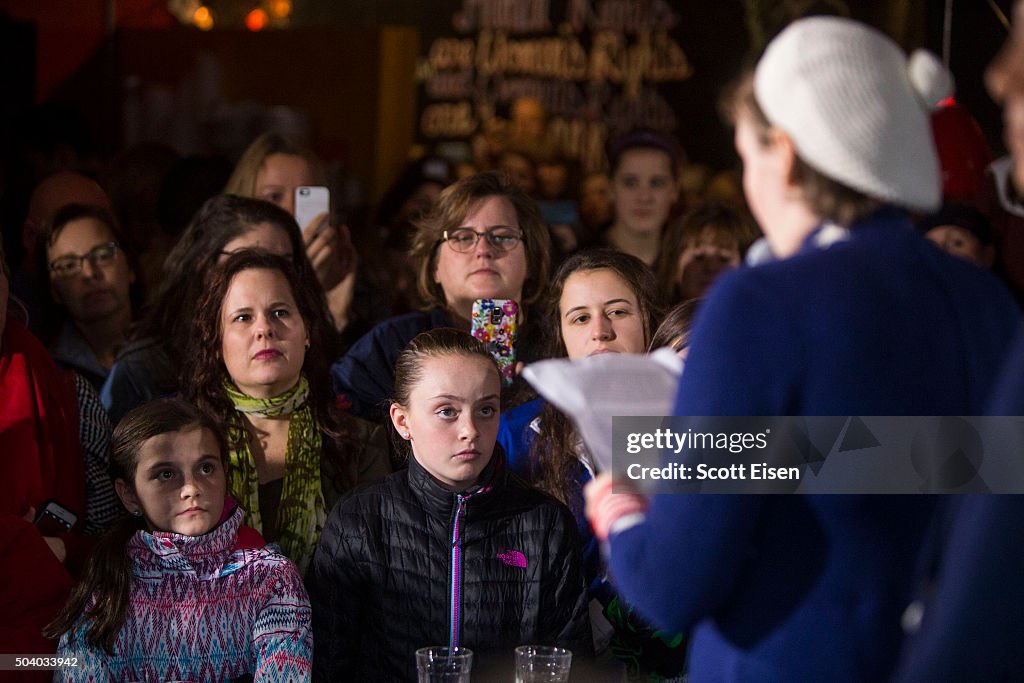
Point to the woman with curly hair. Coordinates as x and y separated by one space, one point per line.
258 363
147 367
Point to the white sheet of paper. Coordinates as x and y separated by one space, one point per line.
591 391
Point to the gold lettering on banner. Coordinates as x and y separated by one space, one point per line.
451 53
451 85
581 139
631 16
629 66
448 119
592 85
552 57
514 16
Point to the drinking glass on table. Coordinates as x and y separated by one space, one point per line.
542 664
443 664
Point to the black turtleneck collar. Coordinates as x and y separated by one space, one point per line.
438 499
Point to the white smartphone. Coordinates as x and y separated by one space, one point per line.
310 202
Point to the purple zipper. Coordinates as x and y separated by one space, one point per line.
456 578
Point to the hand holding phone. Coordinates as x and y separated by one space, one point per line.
310 202
53 518
329 249
495 322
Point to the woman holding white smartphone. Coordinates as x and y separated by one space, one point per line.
288 174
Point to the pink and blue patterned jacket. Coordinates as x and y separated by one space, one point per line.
203 609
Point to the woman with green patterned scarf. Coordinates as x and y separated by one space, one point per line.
258 362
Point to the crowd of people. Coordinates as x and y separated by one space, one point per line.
284 456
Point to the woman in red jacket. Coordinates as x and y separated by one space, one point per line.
42 462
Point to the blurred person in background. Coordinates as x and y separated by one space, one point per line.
643 167
595 205
48 197
699 247
271 168
92 279
408 200
963 231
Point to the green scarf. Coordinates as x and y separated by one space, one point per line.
302 511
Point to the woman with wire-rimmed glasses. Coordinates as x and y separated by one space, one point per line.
484 239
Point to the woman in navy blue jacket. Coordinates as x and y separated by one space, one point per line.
485 239
858 316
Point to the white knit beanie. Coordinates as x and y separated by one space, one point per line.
856 108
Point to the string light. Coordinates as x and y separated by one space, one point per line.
256 20
279 9
203 18
255 15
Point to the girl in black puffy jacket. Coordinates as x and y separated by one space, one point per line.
455 550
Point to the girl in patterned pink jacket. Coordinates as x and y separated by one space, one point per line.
180 590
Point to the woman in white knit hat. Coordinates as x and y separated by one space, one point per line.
857 315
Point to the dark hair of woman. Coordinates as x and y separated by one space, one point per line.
202 378
553 454
220 220
676 327
107 574
723 220
644 138
442 341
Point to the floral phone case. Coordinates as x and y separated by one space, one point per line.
496 323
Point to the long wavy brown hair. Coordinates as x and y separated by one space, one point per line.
202 378
220 219
553 458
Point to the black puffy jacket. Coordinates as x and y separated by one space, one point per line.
382 580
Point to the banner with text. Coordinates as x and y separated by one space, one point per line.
599 67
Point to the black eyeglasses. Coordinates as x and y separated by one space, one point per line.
503 237
71 265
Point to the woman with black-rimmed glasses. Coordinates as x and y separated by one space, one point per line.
484 239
